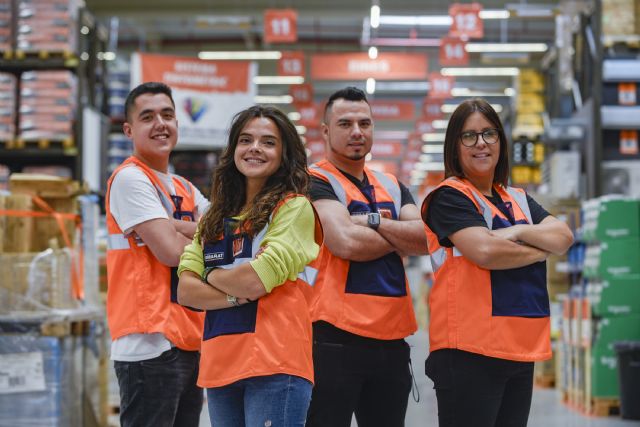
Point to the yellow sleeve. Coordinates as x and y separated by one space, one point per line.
192 258
288 245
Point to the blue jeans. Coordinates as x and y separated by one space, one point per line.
161 391
272 401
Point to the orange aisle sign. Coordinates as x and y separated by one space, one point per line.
453 52
393 110
423 125
466 22
432 108
309 115
291 64
358 66
629 142
386 166
280 26
440 86
302 94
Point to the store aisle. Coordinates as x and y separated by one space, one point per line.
546 410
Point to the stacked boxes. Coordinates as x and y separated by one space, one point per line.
7 106
47 25
5 26
612 270
47 105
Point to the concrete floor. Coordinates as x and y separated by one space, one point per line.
546 409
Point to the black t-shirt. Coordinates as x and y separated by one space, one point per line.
450 211
321 189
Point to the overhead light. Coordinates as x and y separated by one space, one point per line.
466 92
301 129
433 137
371 85
481 71
440 124
392 134
424 158
282 99
450 108
294 116
240 55
523 10
434 20
278 80
375 16
510 91
506 47
433 149
373 52
420 174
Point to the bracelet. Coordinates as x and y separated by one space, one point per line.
205 274
233 301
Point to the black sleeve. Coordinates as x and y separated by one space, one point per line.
321 190
538 213
450 211
406 198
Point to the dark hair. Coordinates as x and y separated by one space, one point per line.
149 87
349 93
452 165
228 191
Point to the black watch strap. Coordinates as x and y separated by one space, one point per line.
205 274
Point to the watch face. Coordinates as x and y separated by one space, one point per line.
373 220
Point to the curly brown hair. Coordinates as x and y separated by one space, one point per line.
228 191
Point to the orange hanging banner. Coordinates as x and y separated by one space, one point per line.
466 22
440 86
358 66
280 26
393 110
302 94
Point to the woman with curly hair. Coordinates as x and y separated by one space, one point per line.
248 268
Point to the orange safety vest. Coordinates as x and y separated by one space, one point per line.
497 313
142 292
271 335
372 298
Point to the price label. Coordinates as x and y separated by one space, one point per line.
453 52
629 142
466 22
280 26
627 94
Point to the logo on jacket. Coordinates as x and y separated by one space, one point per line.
214 256
195 108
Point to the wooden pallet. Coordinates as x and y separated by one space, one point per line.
545 381
65 328
603 406
43 54
42 143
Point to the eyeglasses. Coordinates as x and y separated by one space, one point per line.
469 138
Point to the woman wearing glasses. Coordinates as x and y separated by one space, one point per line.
489 305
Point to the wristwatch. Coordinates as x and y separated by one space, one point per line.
205 274
233 301
373 220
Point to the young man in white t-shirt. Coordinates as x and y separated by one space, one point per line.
151 217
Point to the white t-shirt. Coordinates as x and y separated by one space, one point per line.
133 199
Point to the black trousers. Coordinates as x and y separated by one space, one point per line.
371 379
160 392
480 391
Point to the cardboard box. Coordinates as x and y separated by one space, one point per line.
615 297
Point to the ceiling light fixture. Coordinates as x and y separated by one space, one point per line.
371 85
432 149
433 137
373 52
375 16
481 71
450 108
430 166
263 99
240 55
278 80
294 116
463 91
506 47
435 20
440 124
301 129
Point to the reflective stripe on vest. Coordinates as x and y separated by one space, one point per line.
117 242
521 200
309 275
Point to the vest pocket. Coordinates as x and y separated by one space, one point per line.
520 292
382 277
232 320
